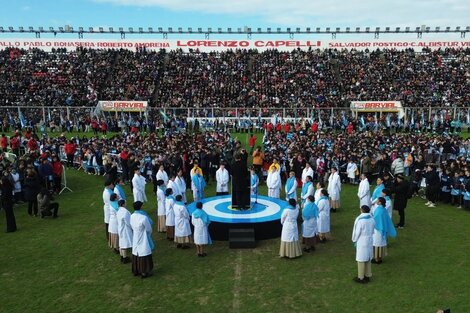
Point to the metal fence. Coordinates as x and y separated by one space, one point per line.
46 114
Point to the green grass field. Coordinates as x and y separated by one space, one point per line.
64 265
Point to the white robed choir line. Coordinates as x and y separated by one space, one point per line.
133 230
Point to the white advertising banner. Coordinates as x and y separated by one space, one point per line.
222 45
378 106
123 106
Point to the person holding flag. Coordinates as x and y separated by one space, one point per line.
142 243
363 123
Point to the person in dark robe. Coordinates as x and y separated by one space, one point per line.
7 202
402 191
240 181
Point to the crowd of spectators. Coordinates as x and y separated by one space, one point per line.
436 161
438 165
237 79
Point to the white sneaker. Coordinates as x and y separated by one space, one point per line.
432 205
428 203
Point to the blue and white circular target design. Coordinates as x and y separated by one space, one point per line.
262 209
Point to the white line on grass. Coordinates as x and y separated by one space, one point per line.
92 204
237 283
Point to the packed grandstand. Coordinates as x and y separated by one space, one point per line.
235 78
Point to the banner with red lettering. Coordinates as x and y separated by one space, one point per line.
123 106
378 106
206 45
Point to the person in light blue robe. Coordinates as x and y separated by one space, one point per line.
201 221
291 187
383 228
199 182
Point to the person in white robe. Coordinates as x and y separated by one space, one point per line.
142 243
334 189
119 189
181 184
307 171
222 177
274 183
363 231
309 225
307 189
254 183
351 169
363 192
125 231
201 221
323 205
138 187
107 192
169 214
182 224
291 187
320 186
290 245
113 207
161 212
171 184
162 174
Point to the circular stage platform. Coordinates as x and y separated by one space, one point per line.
264 216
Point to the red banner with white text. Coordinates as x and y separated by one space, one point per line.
223 45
